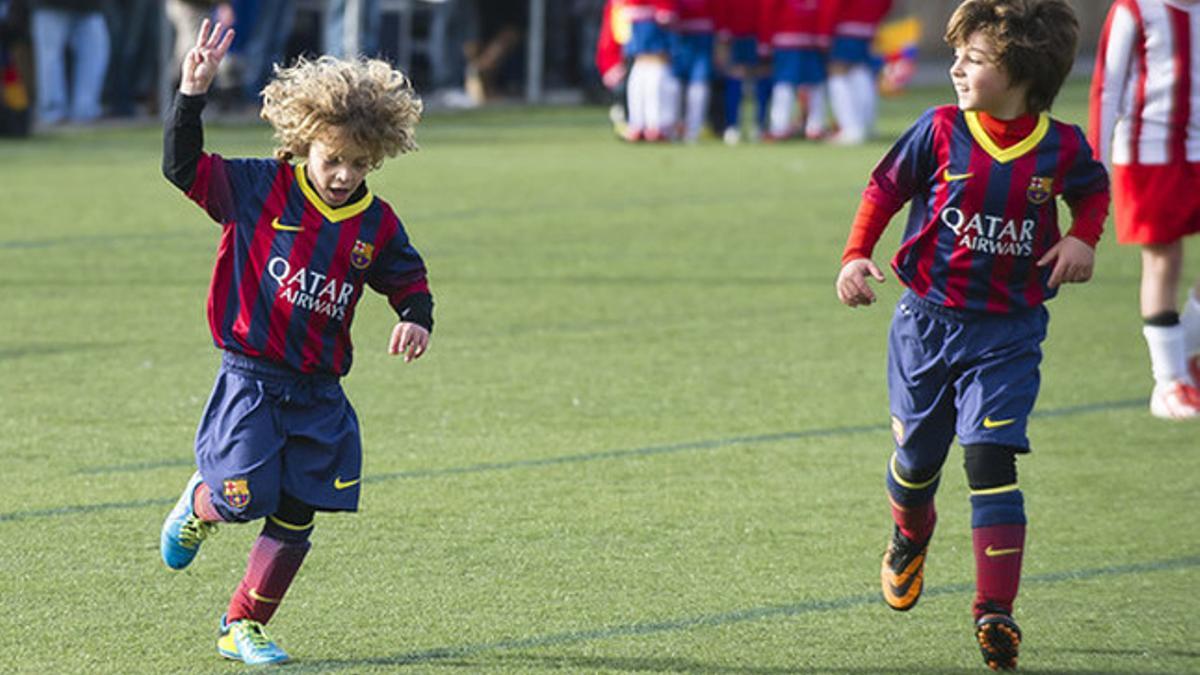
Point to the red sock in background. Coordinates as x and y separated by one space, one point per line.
915 522
998 551
269 572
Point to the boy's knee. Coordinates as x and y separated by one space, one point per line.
292 522
990 466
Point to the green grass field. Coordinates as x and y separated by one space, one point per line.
647 438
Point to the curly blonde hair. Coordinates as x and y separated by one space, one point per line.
371 103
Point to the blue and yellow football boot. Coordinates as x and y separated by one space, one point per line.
244 640
182 531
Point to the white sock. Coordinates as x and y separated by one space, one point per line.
1189 318
842 100
669 99
866 96
697 109
783 103
635 93
814 125
1167 359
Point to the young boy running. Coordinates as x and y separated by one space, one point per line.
1146 125
278 439
979 256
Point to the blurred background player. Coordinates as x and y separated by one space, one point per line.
853 92
692 61
610 61
652 93
300 241
740 58
1146 125
980 255
799 34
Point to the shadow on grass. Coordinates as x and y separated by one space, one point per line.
15 352
631 664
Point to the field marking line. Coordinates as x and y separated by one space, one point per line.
645 451
733 617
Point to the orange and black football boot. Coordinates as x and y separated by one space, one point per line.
903 571
999 640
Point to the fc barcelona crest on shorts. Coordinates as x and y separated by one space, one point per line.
237 493
361 256
1040 189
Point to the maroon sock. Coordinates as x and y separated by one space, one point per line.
202 505
269 572
915 522
998 551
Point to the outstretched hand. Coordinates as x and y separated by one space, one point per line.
408 339
1072 259
200 64
852 287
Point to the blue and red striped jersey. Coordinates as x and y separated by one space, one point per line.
290 269
982 215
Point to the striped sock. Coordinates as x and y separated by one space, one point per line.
272 565
998 552
202 505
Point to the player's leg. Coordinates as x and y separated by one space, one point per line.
922 405
274 560
843 102
698 89
783 94
236 446
998 538
995 396
1189 318
1173 396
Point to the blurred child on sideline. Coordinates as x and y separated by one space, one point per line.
798 34
652 91
740 59
853 91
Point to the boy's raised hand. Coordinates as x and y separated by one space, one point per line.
1073 260
852 287
200 64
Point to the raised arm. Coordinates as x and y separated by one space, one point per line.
200 64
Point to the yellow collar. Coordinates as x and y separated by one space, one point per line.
1004 155
332 214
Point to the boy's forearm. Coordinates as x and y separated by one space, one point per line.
183 140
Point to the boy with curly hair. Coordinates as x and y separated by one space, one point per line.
979 257
278 439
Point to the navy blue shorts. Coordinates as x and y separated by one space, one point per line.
969 374
267 430
850 50
647 37
744 52
692 57
799 66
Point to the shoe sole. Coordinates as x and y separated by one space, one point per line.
999 642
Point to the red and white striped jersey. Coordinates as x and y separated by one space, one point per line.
1145 96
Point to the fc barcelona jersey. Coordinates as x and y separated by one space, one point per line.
981 215
290 269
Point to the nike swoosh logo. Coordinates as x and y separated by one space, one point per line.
339 484
994 552
262 598
276 225
989 423
952 177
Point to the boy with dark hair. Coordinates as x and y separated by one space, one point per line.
980 255
278 439
1144 125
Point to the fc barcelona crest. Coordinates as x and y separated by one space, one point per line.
237 493
362 254
1040 189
